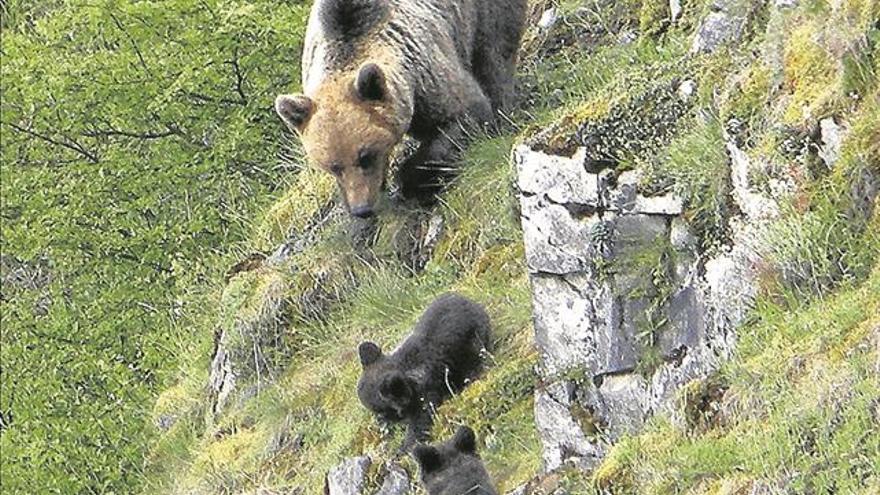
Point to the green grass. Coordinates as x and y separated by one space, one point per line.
800 409
481 258
139 245
830 240
695 167
480 255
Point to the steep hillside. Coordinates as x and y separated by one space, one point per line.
722 150
280 414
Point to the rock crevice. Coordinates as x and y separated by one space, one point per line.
626 308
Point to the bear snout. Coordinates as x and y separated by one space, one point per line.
362 211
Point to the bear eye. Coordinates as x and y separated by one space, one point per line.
366 159
336 170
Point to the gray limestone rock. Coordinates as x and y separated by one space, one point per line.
674 9
561 179
623 297
832 135
753 204
556 241
724 25
564 440
564 319
348 477
396 481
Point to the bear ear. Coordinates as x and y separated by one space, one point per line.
428 458
394 386
465 440
295 110
370 83
369 353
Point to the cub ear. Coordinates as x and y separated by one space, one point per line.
394 386
369 353
428 458
465 440
295 110
370 83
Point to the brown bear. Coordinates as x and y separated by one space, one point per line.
374 70
454 467
440 356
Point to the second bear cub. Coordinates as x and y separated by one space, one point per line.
454 467
441 355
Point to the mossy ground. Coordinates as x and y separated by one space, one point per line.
482 258
801 366
800 412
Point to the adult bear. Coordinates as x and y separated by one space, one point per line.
374 70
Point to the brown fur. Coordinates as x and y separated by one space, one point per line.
340 114
374 70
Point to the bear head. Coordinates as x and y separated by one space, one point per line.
453 467
383 388
348 128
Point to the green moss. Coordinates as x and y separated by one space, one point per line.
169 400
311 192
862 145
586 419
816 417
221 462
700 403
612 474
859 75
654 17
250 295
751 95
585 85
559 140
695 167
826 236
810 74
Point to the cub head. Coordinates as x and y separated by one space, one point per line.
384 389
453 467
348 128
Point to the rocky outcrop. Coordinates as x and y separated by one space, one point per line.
255 304
255 307
635 126
627 309
725 24
350 477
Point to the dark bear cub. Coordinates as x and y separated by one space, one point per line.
441 355
453 467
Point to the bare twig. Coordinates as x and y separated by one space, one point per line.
131 40
132 134
239 78
69 143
